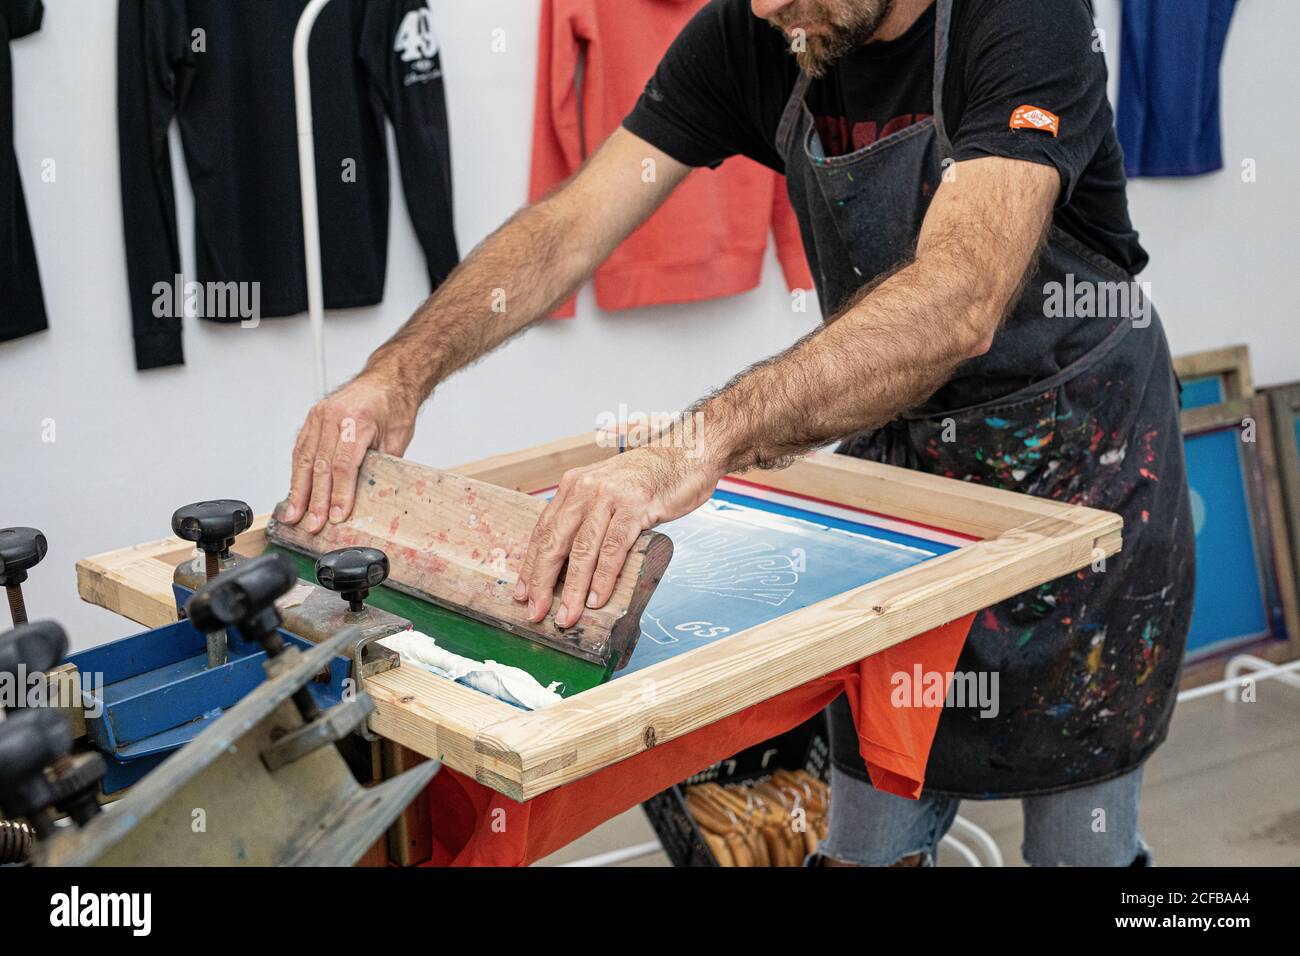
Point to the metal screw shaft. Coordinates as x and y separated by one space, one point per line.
17 608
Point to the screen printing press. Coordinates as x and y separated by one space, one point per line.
783 578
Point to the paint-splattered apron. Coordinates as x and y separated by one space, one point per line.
1082 410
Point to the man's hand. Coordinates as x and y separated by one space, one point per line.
366 413
595 518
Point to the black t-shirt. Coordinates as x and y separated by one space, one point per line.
722 87
22 306
224 70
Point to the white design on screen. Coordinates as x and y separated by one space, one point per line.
727 564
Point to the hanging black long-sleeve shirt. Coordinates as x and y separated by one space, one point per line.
223 68
22 306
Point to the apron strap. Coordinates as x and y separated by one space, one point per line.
793 111
942 32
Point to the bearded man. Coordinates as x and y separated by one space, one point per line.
953 165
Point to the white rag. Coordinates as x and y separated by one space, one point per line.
511 684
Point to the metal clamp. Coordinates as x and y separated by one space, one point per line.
329 728
357 676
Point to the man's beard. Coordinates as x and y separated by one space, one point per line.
830 29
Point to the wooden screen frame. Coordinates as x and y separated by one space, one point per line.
1268 519
1231 364
1023 542
1284 402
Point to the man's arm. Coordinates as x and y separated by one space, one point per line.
899 341
514 278
887 351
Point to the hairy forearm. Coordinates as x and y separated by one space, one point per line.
528 266
515 277
897 342
881 356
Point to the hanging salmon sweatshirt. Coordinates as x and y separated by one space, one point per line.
709 239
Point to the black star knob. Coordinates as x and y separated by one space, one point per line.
352 572
20 550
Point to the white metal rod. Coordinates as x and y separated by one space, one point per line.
1262 670
981 838
966 853
307 181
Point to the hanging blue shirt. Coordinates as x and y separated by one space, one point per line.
1168 117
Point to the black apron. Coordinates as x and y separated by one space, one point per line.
1078 410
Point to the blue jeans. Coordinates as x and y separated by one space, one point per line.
1094 825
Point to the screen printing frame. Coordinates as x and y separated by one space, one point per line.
1230 365
1267 518
1285 403
1021 542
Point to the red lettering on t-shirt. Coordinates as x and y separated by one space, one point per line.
839 137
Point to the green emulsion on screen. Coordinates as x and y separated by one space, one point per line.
469 638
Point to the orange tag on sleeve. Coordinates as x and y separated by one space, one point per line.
1035 117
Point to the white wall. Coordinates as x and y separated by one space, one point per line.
130 447
1223 256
